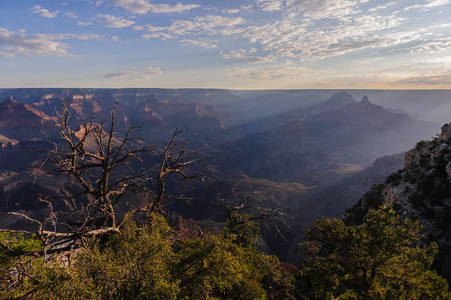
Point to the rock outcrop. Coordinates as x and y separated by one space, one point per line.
6 143
365 100
421 191
22 121
183 229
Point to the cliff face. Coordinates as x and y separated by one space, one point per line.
421 191
164 114
7 142
22 121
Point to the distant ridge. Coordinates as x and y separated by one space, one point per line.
365 100
342 98
22 121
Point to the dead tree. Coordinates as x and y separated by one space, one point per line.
91 156
101 164
173 162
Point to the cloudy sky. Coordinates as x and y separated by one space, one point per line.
236 44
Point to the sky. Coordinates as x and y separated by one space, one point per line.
232 44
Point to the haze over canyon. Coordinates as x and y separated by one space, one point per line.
312 153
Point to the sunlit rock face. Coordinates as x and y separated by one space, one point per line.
6 143
21 121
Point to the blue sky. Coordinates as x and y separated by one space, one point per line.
247 44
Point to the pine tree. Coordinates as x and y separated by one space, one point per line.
380 259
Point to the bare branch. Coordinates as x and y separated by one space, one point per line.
241 212
101 166
22 216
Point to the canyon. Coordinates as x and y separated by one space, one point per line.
311 153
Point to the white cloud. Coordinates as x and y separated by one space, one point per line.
439 61
84 37
81 23
370 61
311 40
294 35
270 5
380 7
413 6
158 35
318 9
37 9
71 15
151 71
203 44
231 11
138 28
243 7
7 55
14 43
308 30
209 25
139 74
268 73
434 46
124 74
245 56
200 26
116 22
430 4
143 7
435 3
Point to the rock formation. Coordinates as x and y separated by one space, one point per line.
421 191
22 121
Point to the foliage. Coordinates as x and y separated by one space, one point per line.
18 260
244 218
420 145
221 267
132 265
213 267
146 263
18 243
394 178
244 227
377 260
